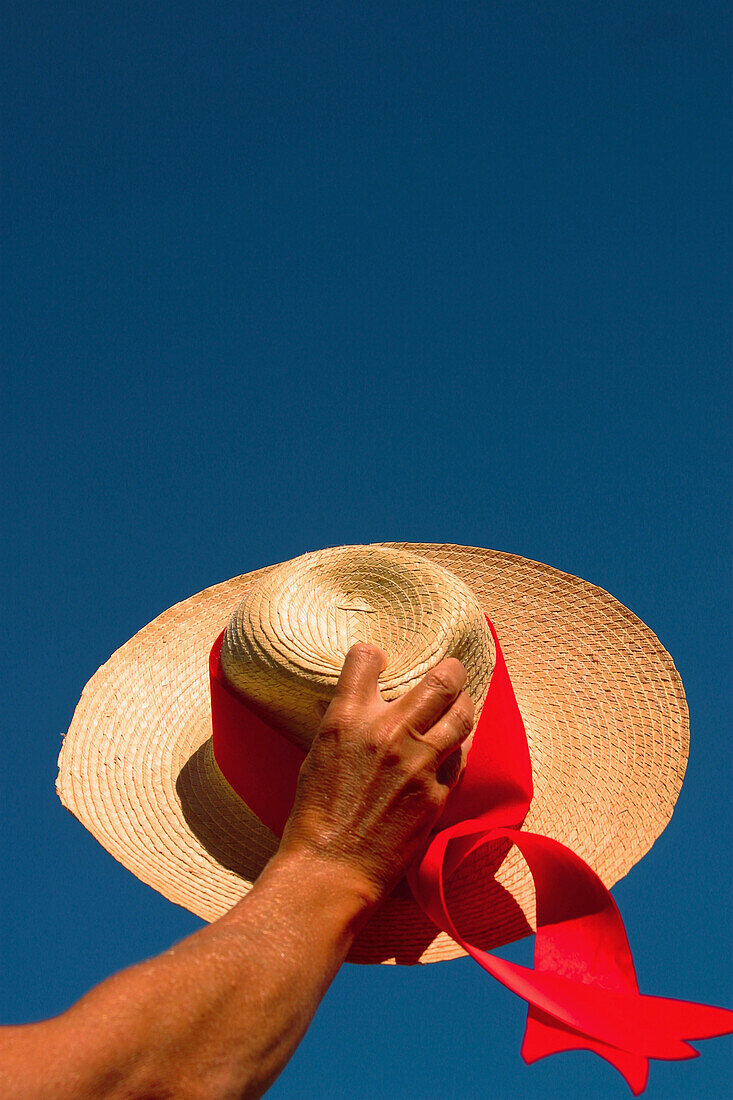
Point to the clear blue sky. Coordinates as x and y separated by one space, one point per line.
280 276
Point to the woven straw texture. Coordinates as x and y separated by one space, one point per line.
601 700
285 644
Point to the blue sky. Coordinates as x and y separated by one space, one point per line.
284 276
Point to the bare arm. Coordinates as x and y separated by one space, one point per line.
218 1016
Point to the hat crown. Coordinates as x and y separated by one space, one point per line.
285 644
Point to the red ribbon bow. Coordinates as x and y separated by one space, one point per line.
582 993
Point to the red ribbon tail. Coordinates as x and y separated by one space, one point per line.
582 992
545 1035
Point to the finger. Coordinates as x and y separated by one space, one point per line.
450 731
423 705
360 673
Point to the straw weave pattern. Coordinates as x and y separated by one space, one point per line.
602 702
285 644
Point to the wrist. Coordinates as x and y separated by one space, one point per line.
332 878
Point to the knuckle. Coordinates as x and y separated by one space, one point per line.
393 746
391 732
335 716
372 737
409 730
418 784
343 711
436 795
343 720
366 738
330 728
365 651
464 713
390 758
442 681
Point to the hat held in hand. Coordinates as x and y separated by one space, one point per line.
561 675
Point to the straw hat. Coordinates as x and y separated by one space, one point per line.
602 703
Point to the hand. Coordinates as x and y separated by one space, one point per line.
378 774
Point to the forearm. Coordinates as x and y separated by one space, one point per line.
219 1015
268 962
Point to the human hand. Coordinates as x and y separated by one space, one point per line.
378 774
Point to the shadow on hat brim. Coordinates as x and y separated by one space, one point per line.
602 703
224 825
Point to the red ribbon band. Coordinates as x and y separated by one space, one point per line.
582 993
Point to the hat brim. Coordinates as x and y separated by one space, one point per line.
603 706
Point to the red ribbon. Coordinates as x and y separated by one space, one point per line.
582 993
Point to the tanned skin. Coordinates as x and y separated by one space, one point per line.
218 1016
